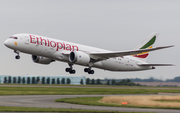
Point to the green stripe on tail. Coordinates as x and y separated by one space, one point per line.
148 44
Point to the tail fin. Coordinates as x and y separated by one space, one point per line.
148 43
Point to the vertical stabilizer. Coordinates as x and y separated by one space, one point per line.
146 44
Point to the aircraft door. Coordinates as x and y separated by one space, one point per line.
24 43
26 40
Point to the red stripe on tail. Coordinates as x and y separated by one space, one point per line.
141 56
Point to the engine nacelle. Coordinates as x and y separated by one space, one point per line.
41 60
79 57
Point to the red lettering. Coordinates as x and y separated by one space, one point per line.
64 46
59 46
74 48
48 42
68 47
37 40
53 45
31 39
42 41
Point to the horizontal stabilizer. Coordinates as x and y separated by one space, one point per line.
156 64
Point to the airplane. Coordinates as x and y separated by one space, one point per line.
45 50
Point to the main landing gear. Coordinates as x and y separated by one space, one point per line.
17 56
89 71
70 70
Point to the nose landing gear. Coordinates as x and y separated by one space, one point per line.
17 56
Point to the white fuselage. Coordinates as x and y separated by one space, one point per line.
58 50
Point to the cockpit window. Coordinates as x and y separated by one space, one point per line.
13 37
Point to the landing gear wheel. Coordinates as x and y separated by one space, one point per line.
88 70
72 72
85 69
17 57
92 71
68 69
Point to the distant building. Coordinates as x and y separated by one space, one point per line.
37 79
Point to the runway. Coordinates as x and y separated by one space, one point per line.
47 101
79 86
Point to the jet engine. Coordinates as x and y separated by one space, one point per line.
79 58
41 60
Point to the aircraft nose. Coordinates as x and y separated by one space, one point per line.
6 43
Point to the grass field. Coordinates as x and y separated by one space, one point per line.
29 109
88 85
165 101
8 90
171 101
79 91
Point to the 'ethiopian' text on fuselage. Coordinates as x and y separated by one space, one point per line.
53 44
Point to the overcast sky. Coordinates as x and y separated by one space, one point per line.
115 25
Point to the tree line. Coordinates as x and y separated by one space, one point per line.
93 81
48 80
124 82
36 80
151 79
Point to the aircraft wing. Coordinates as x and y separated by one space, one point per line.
67 53
97 56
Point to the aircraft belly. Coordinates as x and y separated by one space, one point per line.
115 65
110 65
58 55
